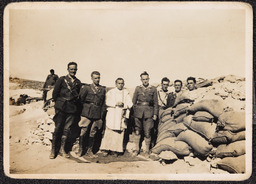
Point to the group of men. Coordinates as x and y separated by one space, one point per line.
91 108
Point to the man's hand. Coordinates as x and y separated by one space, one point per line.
154 117
120 104
126 120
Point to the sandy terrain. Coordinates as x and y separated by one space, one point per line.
29 149
33 158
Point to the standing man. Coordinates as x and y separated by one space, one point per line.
163 94
49 83
145 111
65 95
118 103
92 97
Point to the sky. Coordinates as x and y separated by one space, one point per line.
124 40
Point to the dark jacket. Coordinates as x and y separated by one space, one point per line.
65 94
148 95
93 101
50 80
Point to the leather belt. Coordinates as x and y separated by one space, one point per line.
144 103
94 103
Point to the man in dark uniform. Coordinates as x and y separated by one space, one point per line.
145 111
65 95
93 99
49 83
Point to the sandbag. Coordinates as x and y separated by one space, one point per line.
165 118
180 109
180 148
214 107
204 83
196 142
225 137
177 128
233 164
233 121
164 134
234 149
180 118
205 129
182 98
168 111
166 125
168 155
203 116
187 120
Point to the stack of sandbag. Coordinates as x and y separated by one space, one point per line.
200 127
170 126
230 141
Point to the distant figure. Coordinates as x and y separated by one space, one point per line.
22 99
49 83
65 95
92 97
191 83
11 101
145 112
118 103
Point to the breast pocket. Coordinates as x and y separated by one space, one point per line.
90 97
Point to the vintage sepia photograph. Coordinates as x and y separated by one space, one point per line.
128 90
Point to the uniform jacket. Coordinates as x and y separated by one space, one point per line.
93 101
142 94
50 80
65 94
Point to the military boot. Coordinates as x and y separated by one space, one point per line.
53 154
81 146
147 145
136 140
90 147
62 147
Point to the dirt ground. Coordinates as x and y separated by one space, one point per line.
27 158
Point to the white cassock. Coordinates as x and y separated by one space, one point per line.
115 125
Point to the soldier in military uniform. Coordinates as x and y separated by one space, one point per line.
49 83
65 95
93 99
145 111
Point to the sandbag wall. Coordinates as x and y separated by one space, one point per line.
208 128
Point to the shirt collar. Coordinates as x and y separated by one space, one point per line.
95 86
71 77
161 90
149 86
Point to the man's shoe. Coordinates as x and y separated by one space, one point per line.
64 154
52 155
115 154
90 153
104 153
135 153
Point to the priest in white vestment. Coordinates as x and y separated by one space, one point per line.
118 103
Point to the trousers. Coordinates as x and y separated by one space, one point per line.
146 124
93 124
